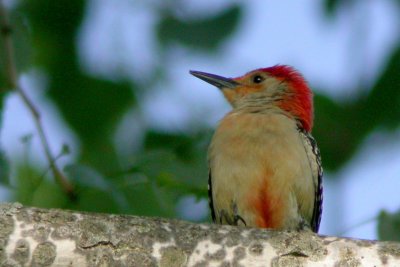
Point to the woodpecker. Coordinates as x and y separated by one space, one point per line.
265 166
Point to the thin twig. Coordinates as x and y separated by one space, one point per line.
12 75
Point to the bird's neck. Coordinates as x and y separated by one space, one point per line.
265 111
255 106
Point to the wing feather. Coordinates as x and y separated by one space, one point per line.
210 197
314 156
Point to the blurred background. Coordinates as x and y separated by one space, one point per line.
129 127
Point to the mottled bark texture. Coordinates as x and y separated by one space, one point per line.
51 237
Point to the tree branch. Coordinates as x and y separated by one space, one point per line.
12 75
42 237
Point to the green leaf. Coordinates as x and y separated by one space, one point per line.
201 34
340 128
88 181
48 195
331 6
382 107
150 200
3 95
22 44
54 25
164 161
28 180
34 188
167 171
21 47
182 144
4 169
335 133
156 163
4 81
85 176
65 150
91 107
389 226
95 200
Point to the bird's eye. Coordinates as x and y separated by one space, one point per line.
258 79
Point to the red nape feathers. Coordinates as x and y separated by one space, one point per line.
302 103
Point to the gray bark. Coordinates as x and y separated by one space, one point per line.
52 237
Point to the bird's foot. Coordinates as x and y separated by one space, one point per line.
231 218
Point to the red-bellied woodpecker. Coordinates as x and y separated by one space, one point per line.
265 167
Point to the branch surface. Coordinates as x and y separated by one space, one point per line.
52 237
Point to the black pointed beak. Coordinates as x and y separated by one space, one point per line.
218 81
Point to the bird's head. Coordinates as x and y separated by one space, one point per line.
263 89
